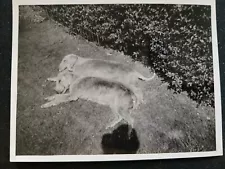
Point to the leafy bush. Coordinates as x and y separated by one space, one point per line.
174 39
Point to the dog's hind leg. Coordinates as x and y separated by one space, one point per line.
117 117
126 116
116 120
130 120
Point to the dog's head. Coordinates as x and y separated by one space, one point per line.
63 82
68 62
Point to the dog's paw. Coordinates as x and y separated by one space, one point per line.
43 106
48 104
52 79
111 126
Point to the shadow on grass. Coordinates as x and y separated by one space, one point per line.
118 142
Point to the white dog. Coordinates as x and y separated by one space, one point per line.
110 70
100 68
120 98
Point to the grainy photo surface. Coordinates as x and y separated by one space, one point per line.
97 79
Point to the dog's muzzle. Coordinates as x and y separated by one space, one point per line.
59 88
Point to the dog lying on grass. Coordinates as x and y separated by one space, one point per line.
66 78
100 68
121 99
110 70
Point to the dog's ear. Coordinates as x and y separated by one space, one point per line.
62 65
72 62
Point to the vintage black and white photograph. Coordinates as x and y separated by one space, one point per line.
126 80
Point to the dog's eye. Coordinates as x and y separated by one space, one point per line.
59 81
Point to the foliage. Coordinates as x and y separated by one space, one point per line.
174 39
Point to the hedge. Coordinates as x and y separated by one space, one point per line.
173 39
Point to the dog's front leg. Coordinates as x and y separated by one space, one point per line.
56 99
49 104
50 98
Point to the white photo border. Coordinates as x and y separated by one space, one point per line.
124 157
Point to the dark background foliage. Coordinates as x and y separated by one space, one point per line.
173 39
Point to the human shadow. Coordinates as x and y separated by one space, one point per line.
119 141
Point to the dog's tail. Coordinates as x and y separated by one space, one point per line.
141 77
